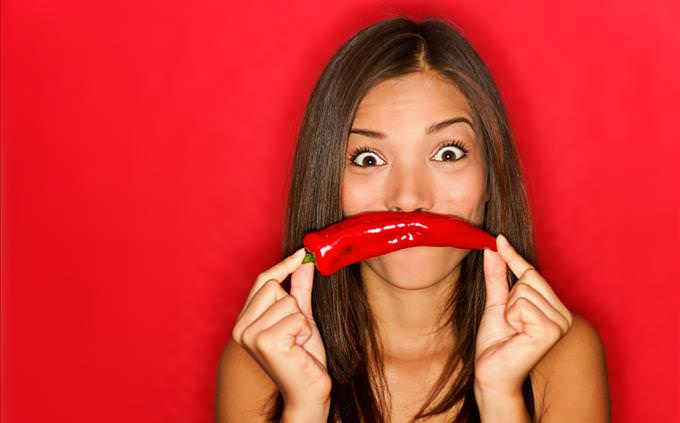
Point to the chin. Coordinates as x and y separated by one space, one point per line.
417 267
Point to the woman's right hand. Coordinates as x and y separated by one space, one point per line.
279 331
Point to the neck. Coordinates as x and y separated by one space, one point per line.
411 323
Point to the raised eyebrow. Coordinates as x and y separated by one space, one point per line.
431 129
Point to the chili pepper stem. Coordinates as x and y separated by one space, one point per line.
309 258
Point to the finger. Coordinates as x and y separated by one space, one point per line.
301 283
278 338
495 279
261 301
285 331
529 320
276 311
529 275
278 272
523 290
515 261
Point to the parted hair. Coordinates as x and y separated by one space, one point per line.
387 49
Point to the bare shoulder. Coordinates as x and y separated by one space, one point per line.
570 381
244 390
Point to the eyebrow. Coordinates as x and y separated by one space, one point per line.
431 129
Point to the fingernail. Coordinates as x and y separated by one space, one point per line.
299 253
503 240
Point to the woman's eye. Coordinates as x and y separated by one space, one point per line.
449 153
366 158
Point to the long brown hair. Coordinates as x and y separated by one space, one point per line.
384 50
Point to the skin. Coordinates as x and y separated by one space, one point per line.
525 330
405 171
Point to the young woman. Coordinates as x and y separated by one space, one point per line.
406 117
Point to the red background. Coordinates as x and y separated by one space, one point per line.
146 151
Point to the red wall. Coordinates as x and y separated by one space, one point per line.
145 154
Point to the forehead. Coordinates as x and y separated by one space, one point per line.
410 98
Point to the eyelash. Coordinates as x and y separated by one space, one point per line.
452 143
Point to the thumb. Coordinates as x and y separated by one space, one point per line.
496 278
301 282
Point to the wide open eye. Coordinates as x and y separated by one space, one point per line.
364 157
450 150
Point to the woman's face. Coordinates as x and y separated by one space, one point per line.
407 167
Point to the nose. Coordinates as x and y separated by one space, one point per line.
398 209
408 190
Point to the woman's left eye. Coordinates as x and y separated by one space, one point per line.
451 152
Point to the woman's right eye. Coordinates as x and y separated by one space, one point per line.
364 157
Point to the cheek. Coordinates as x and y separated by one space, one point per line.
359 193
463 193
467 189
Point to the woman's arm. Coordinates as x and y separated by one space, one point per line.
575 372
569 383
243 389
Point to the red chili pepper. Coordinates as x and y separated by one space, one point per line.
375 233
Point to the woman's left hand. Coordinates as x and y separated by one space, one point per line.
518 326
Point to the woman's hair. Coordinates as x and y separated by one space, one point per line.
387 49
